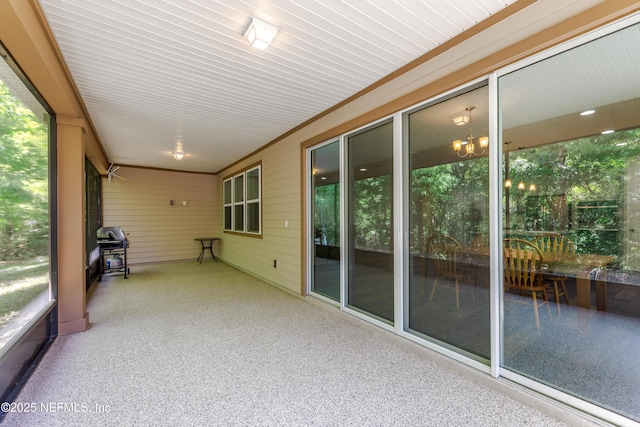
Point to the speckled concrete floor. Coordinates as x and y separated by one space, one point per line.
204 344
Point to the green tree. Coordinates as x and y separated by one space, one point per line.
573 175
24 203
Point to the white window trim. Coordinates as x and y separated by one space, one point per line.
244 202
227 204
238 203
257 200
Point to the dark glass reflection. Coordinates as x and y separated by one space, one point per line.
370 283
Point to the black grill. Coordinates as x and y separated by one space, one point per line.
113 244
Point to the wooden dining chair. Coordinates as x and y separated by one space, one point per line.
446 255
480 245
480 240
556 244
522 264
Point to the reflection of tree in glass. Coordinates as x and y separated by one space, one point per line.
581 188
327 214
373 222
450 199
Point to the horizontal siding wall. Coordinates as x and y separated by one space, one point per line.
281 202
443 69
157 231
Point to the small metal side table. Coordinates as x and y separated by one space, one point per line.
209 246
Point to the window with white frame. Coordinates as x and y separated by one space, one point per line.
242 202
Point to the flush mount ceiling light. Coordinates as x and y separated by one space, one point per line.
259 34
178 155
587 112
460 121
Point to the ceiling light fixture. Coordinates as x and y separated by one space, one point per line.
461 120
587 112
522 186
607 132
469 146
259 34
178 155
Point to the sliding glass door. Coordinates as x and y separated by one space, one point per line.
325 220
370 229
573 123
448 297
517 254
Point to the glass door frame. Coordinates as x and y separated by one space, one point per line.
401 226
344 218
497 217
309 231
402 139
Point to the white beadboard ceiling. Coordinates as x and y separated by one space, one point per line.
157 75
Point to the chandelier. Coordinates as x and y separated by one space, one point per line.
508 183
469 145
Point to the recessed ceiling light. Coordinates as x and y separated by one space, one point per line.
608 131
363 169
587 112
178 155
324 177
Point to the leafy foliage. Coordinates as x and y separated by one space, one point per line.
327 214
584 190
372 213
450 199
24 196
583 187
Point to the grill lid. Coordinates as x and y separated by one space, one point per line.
111 233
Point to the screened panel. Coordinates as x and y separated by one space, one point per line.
25 202
238 223
253 184
238 189
227 191
227 217
253 217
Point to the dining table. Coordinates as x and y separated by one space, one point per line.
584 267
